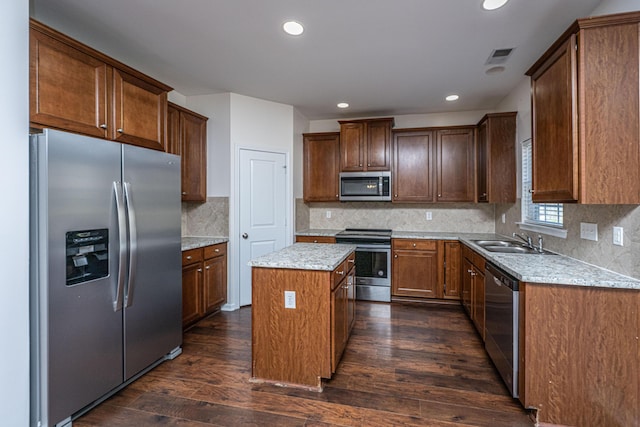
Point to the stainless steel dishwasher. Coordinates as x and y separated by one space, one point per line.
501 323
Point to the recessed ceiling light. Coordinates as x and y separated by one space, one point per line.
494 70
493 4
343 105
293 28
452 97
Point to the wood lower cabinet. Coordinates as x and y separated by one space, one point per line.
473 299
586 114
315 239
496 158
425 268
579 358
342 311
321 167
187 132
365 145
414 268
78 89
455 165
204 282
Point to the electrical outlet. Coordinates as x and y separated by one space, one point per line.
289 299
589 231
504 218
429 216
618 236
328 214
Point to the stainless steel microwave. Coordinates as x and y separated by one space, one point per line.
365 186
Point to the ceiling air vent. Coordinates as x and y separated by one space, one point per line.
499 56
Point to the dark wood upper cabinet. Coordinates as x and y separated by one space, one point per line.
365 145
586 114
187 132
413 166
496 158
321 166
75 88
455 165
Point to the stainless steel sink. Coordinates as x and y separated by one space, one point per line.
508 247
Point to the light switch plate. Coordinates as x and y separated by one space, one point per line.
618 236
328 214
589 231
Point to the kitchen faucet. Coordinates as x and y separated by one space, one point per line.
527 239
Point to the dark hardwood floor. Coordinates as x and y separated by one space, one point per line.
405 364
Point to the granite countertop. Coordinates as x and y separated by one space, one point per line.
531 268
305 256
194 242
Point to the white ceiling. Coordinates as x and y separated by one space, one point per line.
383 57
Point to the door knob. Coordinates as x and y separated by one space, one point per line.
245 236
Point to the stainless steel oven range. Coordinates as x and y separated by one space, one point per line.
373 262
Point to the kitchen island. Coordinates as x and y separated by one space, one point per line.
303 309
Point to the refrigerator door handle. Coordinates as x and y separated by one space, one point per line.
133 245
122 253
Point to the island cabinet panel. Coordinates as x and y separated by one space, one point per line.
321 166
586 114
455 165
451 251
580 355
291 345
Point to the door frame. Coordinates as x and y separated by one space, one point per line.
233 294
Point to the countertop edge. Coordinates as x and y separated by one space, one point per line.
195 242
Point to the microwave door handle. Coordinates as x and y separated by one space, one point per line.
380 187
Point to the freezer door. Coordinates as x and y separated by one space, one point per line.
76 333
153 297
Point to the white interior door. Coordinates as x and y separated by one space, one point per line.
263 210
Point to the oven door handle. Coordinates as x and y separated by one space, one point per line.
373 248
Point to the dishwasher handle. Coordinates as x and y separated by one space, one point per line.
501 277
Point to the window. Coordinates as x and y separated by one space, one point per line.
536 214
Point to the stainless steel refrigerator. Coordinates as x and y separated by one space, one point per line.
106 293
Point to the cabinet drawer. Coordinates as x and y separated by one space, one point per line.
350 262
215 250
340 273
191 256
315 239
417 244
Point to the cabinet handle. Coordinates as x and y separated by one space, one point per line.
469 271
341 272
103 126
120 130
184 193
360 164
439 195
188 257
484 194
395 256
414 245
199 270
337 196
315 241
351 261
531 190
216 250
207 267
368 164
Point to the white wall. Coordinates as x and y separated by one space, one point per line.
14 242
300 126
260 125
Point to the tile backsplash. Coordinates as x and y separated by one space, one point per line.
206 219
603 253
462 217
